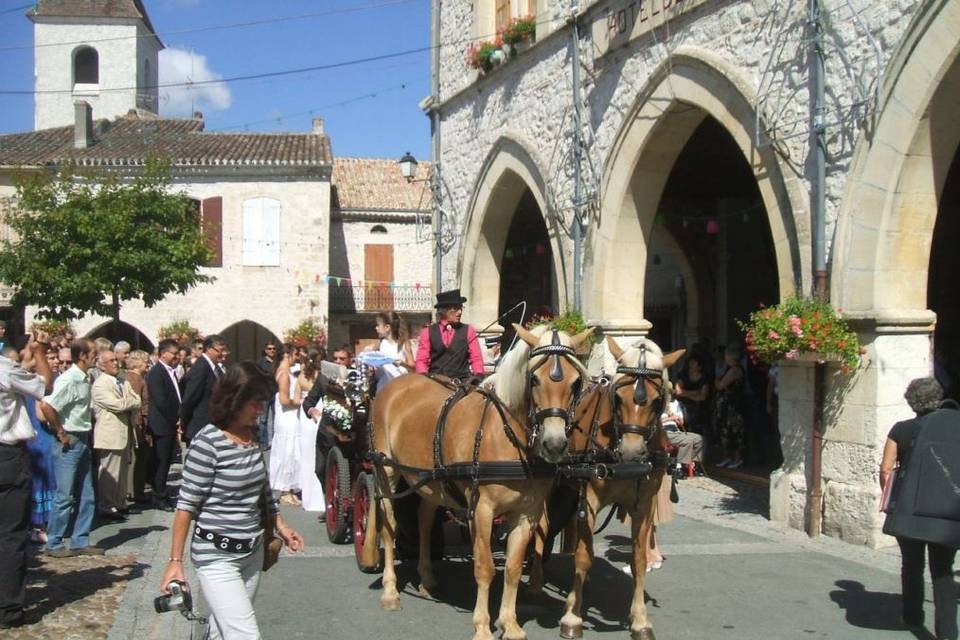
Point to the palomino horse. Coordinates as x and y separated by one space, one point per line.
536 383
618 420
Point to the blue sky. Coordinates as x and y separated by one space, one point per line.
386 125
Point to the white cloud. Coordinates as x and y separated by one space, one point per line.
182 66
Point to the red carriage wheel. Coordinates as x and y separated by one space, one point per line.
336 492
369 558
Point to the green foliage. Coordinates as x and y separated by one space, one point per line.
571 323
520 30
479 55
309 333
53 328
181 331
84 242
801 325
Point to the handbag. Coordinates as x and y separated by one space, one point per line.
271 543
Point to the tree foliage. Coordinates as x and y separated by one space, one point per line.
83 243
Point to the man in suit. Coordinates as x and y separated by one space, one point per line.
113 401
163 416
197 385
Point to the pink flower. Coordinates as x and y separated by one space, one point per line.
773 335
796 330
812 345
793 354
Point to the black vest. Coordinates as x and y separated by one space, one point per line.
452 361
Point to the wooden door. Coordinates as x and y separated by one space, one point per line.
378 274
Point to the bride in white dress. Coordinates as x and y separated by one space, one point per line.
285 446
312 490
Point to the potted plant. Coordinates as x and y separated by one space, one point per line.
802 328
480 56
181 331
310 333
53 328
520 34
571 323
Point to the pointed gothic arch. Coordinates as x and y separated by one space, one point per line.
247 339
122 331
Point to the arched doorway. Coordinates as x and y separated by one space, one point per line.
526 272
712 209
115 332
943 295
247 339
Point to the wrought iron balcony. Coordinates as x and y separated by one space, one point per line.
356 298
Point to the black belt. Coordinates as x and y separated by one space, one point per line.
226 543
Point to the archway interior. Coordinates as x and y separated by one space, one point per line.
526 268
713 210
115 332
943 295
246 340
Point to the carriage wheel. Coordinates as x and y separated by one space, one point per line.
336 492
367 552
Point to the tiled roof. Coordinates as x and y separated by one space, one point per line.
128 140
92 9
376 184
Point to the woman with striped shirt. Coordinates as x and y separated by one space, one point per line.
223 487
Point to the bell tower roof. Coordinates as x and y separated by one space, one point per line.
93 9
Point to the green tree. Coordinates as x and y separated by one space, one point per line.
85 242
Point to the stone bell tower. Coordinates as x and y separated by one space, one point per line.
103 52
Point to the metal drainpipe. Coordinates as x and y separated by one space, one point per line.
577 231
436 183
818 209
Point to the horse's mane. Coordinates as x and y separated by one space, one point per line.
510 380
631 358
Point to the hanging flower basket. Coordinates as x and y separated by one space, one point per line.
802 329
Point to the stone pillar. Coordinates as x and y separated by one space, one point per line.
860 409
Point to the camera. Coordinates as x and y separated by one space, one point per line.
179 598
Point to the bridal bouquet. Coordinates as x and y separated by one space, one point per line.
337 415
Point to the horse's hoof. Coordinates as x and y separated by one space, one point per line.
390 604
643 634
571 630
424 591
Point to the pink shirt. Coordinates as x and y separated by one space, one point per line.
446 334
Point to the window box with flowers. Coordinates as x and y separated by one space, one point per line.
802 329
484 56
518 35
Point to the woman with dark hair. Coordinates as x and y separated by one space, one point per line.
693 391
285 446
729 412
923 395
225 489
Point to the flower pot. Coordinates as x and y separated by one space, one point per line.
497 57
508 50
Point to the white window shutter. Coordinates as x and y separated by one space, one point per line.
270 235
252 230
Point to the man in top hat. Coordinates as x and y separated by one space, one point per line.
447 346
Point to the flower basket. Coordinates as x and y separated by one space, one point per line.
571 322
308 334
181 331
802 329
337 416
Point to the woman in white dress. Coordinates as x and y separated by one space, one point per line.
285 446
311 489
395 344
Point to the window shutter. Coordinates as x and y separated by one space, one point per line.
261 232
251 232
212 227
270 235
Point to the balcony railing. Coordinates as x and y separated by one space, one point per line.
352 299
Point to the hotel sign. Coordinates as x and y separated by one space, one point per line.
623 21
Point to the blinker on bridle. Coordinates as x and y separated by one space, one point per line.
641 373
555 350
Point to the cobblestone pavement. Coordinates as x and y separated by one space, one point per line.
74 598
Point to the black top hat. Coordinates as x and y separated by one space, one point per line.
450 298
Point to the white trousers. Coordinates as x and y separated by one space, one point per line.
229 586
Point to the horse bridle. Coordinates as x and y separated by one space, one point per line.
637 376
535 417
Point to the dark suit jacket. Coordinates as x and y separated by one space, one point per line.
196 387
316 393
164 407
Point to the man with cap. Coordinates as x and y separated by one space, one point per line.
448 347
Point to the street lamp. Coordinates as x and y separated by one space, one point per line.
408 166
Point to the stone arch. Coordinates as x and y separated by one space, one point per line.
122 331
691 85
510 169
882 242
247 339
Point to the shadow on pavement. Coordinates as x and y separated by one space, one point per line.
127 534
871 609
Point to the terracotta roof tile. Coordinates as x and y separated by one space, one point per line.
92 9
127 141
376 184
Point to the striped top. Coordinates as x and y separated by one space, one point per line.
222 486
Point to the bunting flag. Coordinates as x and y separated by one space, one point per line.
369 285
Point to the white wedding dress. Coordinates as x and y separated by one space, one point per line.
312 496
285 446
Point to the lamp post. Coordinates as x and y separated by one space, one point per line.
408 169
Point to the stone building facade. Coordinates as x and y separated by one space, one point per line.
696 130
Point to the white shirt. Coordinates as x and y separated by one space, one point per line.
15 383
173 377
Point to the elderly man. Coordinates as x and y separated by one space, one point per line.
121 350
64 360
15 475
197 385
67 411
113 402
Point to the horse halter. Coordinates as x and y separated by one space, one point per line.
553 351
639 375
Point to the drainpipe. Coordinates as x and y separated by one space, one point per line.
435 180
577 231
818 209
